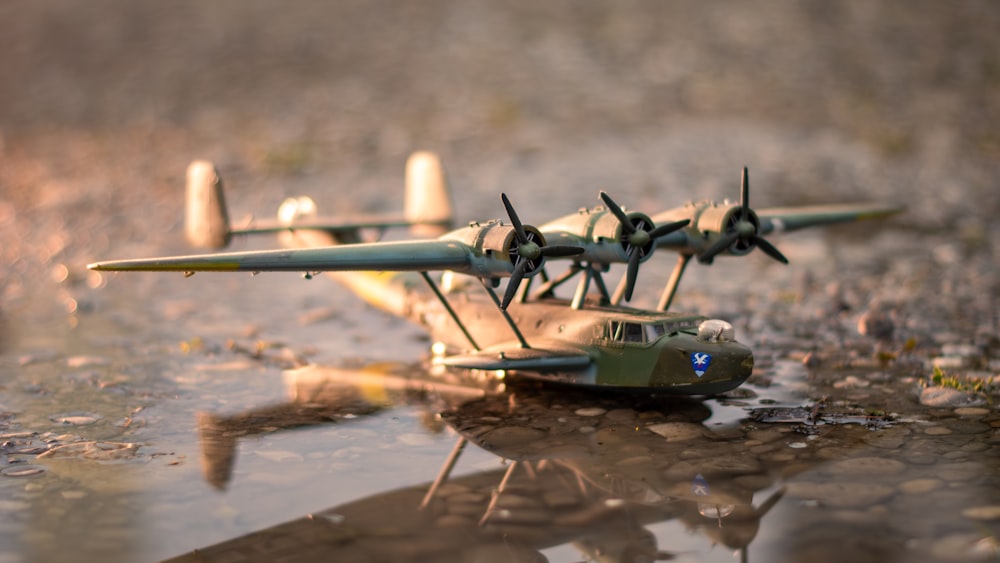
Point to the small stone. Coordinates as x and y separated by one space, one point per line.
946 397
812 360
75 419
958 471
937 431
677 431
22 470
868 466
989 512
590 411
956 547
950 362
876 324
850 382
841 495
77 362
920 486
971 411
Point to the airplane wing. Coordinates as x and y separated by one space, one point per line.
418 255
514 357
778 219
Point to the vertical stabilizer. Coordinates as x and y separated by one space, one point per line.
428 199
206 220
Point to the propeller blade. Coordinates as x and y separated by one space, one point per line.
617 212
745 195
515 280
723 243
770 250
561 250
522 237
632 273
663 230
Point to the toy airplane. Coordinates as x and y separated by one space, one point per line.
589 339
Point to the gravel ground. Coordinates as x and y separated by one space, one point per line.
103 104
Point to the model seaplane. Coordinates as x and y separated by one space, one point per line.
590 339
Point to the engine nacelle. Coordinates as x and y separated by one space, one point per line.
598 231
713 221
496 247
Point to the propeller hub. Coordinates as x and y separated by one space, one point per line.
529 250
639 239
745 229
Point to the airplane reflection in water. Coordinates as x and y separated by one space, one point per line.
581 469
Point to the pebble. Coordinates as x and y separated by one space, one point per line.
22 471
959 471
590 411
851 381
959 547
841 495
947 397
988 512
677 431
77 362
877 324
971 411
950 362
868 466
920 486
75 419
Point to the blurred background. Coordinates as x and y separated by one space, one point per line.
103 104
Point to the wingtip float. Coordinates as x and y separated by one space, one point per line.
588 339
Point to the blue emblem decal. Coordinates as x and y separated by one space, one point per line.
700 486
700 362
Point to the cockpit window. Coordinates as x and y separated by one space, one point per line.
633 332
654 331
637 333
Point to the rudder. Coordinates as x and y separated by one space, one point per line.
206 222
428 202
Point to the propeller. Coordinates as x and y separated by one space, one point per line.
742 230
529 252
638 238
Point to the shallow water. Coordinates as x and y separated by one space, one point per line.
156 444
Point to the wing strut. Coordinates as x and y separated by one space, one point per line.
675 279
506 315
442 475
447 307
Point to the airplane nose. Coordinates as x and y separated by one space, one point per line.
702 367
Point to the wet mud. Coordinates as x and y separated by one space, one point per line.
148 417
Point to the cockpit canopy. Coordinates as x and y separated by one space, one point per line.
645 332
632 332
